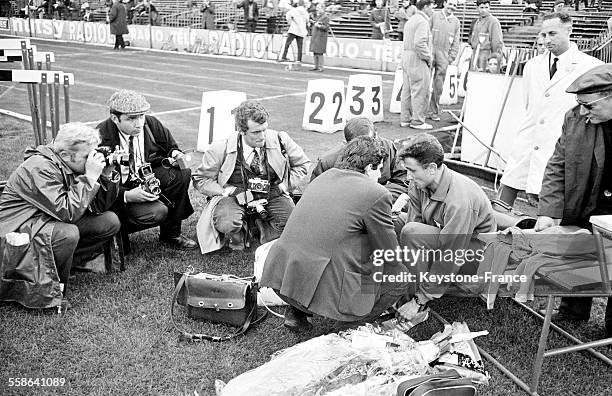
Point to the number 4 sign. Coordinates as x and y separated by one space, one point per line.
324 107
216 118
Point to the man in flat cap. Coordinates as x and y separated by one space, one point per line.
546 77
577 182
149 142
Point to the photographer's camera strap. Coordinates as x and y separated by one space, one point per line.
207 337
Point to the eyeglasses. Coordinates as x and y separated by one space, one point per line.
589 105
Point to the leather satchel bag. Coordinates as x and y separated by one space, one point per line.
448 383
224 299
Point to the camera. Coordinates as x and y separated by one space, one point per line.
149 182
258 206
258 185
114 157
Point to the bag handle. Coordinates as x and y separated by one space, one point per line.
201 336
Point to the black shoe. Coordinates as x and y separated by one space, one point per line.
180 242
296 320
561 316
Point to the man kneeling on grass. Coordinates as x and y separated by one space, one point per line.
59 198
323 262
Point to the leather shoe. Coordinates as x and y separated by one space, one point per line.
180 242
296 320
560 316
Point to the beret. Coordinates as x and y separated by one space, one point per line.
597 79
128 102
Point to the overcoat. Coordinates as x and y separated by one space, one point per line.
318 41
546 103
118 19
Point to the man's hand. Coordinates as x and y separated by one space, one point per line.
545 222
139 195
94 165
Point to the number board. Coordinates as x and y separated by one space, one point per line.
216 117
450 89
324 107
395 104
364 97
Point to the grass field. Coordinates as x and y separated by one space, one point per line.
118 338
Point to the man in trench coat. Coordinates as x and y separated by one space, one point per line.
118 23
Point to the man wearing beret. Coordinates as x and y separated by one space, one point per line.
577 182
546 78
148 142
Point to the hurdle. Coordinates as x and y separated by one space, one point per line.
43 85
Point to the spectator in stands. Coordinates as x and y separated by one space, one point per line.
486 37
118 23
59 197
322 264
540 45
577 182
393 177
577 4
379 19
148 142
416 65
559 6
208 15
533 6
546 77
318 41
445 31
129 7
609 23
251 14
146 9
492 65
297 17
446 210
253 151
402 15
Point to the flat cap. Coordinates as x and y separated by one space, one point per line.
597 79
128 102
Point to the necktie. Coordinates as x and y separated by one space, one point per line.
553 68
256 163
132 159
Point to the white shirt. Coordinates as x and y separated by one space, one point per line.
138 152
248 152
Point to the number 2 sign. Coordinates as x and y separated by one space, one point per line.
324 107
216 118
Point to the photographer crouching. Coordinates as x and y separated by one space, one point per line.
251 172
54 211
154 179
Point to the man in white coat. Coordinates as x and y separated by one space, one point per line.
546 77
297 17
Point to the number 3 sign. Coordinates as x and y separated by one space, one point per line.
216 118
324 107
365 97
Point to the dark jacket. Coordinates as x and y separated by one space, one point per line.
245 6
318 41
579 157
323 257
158 141
43 190
390 173
118 19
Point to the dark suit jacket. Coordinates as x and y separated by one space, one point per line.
158 141
579 157
390 172
245 5
322 259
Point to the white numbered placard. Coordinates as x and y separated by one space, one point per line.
450 90
324 107
364 97
395 104
216 118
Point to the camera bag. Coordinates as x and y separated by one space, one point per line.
224 299
448 383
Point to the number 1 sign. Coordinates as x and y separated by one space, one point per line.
216 118
324 107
